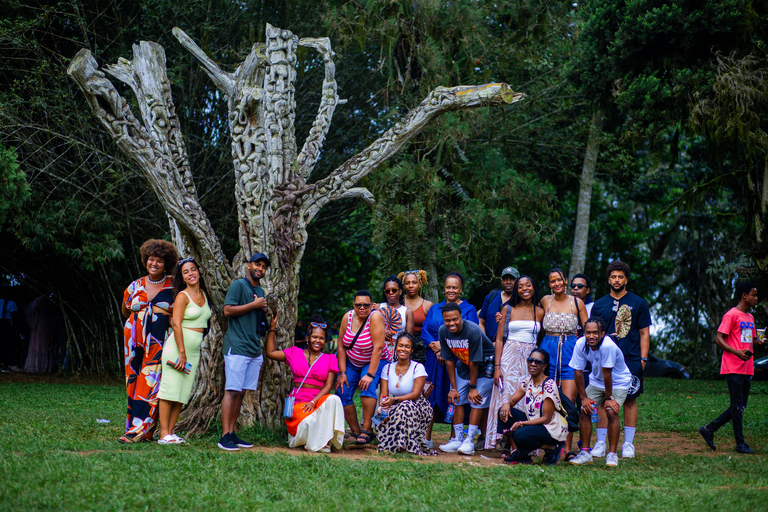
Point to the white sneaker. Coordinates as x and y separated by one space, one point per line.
467 446
451 446
599 449
583 458
627 451
612 460
429 443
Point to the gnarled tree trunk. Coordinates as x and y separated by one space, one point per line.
275 201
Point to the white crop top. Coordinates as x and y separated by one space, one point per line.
523 331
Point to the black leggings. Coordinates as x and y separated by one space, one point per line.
528 437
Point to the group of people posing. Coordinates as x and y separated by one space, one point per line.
510 372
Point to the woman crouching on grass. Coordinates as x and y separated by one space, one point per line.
318 417
180 359
409 412
541 425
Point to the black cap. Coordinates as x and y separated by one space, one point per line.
260 256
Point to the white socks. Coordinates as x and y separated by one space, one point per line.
602 433
472 431
629 435
458 432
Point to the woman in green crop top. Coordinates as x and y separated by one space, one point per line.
180 359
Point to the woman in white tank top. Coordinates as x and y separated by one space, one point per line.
521 320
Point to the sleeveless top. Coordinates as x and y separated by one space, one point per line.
196 317
558 324
418 318
360 355
522 331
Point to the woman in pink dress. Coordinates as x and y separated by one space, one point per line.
318 417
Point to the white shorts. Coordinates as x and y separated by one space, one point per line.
484 387
241 372
597 395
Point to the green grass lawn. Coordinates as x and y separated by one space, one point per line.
54 456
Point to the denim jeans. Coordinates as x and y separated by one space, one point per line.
529 437
738 388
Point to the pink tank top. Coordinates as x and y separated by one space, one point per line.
360 354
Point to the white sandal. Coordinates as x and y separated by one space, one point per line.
169 439
179 440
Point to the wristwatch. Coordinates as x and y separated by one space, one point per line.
644 359
473 386
611 398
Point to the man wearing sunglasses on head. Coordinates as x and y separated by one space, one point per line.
581 285
609 383
628 321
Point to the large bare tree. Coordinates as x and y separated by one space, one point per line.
275 199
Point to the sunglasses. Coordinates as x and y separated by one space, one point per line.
318 324
392 291
537 362
578 286
411 272
362 306
187 260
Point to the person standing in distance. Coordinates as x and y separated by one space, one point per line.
735 336
581 285
627 320
245 307
489 317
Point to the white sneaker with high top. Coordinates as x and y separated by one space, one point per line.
627 451
584 457
467 446
612 460
599 449
451 446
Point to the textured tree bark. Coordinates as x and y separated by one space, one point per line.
275 204
581 233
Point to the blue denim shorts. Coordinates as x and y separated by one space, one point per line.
354 374
484 387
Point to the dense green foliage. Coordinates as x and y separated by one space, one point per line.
679 192
76 464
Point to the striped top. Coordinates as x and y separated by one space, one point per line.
360 355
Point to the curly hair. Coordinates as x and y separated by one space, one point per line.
160 249
420 275
178 279
617 266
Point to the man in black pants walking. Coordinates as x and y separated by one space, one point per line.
735 336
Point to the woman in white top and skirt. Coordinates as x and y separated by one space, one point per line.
409 412
522 319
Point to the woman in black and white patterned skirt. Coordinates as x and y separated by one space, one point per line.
409 412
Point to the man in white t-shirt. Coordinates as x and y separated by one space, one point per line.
608 387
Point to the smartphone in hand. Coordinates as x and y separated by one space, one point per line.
187 367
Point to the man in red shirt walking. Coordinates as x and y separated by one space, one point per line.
735 336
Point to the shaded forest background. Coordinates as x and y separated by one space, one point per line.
681 180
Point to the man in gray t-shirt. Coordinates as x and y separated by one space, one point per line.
245 308
467 352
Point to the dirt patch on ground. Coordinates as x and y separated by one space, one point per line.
647 443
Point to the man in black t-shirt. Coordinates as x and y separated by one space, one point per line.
628 321
467 352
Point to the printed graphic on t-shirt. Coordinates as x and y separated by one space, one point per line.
460 349
623 320
746 331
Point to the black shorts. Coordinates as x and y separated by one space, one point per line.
636 369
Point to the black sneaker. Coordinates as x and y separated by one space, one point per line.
227 443
552 457
744 448
709 438
518 458
239 442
